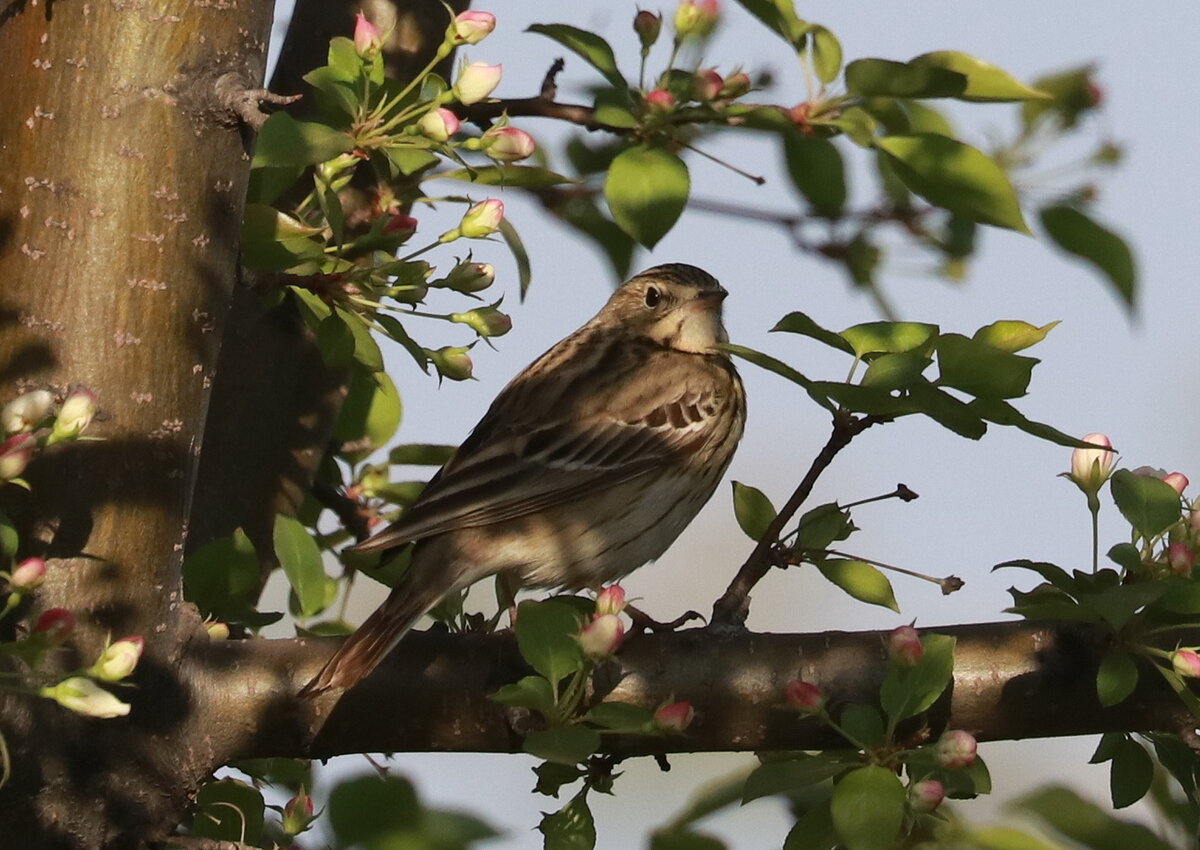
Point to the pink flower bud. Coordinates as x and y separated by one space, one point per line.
955 749
1090 468
706 85
55 625
479 221
400 225
367 38
451 362
1181 559
119 660
611 600
660 101
674 718
473 27
485 321
696 18
438 124
26 411
470 277
647 25
15 454
28 575
904 646
1186 663
601 637
217 631
297 813
736 85
1177 480
476 81
804 696
74 416
83 696
926 795
507 144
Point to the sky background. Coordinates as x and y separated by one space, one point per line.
981 502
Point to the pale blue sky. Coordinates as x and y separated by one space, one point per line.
980 503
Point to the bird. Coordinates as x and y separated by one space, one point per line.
587 465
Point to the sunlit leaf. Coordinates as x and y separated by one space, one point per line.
591 47
985 82
868 808
1075 232
647 188
753 510
861 580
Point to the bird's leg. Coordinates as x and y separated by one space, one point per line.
643 622
506 597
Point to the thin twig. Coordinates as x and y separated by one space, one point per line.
732 607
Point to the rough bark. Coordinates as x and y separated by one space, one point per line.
120 204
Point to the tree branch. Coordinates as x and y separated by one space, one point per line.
1012 680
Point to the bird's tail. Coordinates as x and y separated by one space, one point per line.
360 653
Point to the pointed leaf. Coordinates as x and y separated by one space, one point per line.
563 744
817 171
301 561
780 368
907 691
813 830
647 188
546 637
591 47
1081 236
1116 678
1151 506
1132 771
753 510
985 82
981 370
284 141
885 78
799 323
826 53
1011 335
787 776
868 808
894 337
570 828
950 174
861 580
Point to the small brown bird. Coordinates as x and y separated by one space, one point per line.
586 466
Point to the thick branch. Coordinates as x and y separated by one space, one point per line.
1012 680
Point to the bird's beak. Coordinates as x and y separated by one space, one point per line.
715 296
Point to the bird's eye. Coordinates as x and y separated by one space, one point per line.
653 296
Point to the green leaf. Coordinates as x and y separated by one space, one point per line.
335 341
621 717
9 538
408 159
1128 557
946 410
817 171
366 349
563 744
614 107
1012 335
301 561
1150 505
895 371
284 141
894 337
571 827
753 510
956 176
591 47
551 777
685 840
1078 820
223 577
1002 413
1182 596
1075 232
1116 678
863 723
421 454
1132 772
1073 95
530 692
923 118
273 241
826 53
522 176
1118 604
547 635
520 255
229 810
981 370
780 17
646 189
861 580
780 368
799 323
1007 838
383 813
267 184
787 776
985 82
822 525
813 830
907 691
868 808
394 330
883 77
860 399
369 416
1052 573
310 306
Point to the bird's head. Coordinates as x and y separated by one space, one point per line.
674 305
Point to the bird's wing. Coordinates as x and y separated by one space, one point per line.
546 442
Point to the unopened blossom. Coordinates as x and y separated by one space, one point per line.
26 411
1090 468
1177 480
399 224
706 85
485 321
675 717
1180 559
28 575
926 795
660 101
83 696
470 277
482 219
1186 663
507 144
75 415
611 600
119 659
438 124
696 18
55 625
476 81
15 454
297 813
904 646
472 27
735 85
367 38
647 25
955 749
601 637
451 362
804 696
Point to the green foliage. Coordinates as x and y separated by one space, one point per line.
647 188
378 813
